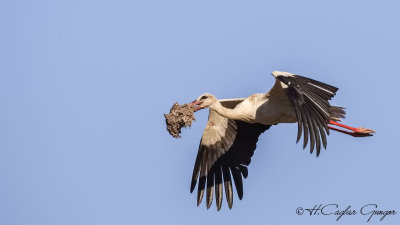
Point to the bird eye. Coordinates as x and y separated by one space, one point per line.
203 97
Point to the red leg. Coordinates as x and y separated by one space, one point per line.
354 134
342 125
358 132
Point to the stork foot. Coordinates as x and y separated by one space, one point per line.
363 130
356 132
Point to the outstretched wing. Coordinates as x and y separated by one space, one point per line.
225 149
313 111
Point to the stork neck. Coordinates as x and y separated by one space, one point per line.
223 111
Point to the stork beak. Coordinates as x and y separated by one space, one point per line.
196 104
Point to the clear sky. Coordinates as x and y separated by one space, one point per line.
84 85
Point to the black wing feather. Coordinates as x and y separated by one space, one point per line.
227 185
309 99
210 188
215 164
218 187
237 177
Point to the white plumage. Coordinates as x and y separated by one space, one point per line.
234 125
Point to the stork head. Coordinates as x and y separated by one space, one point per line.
204 101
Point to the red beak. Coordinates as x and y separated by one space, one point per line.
196 104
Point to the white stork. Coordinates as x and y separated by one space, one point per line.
234 125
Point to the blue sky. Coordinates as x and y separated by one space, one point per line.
84 85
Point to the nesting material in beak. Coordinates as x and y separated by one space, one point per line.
180 116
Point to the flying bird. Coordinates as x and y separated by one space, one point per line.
234 126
